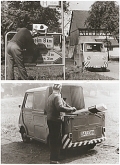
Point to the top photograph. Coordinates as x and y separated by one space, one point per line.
59 40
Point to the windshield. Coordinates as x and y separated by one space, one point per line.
93 47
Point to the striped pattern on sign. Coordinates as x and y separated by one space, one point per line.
93 66
86 63
67 142
105 64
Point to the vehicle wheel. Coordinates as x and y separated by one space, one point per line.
48 141
104 69
24 136
91 146
87 69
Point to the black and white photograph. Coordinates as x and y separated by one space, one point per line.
85 126
60 82
60 40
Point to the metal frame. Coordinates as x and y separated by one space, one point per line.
63 46
6 50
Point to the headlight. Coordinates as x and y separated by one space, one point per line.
88 58
104 58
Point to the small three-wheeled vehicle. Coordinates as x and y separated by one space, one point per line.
85 127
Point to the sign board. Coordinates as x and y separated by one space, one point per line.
47 40
53 3
49 3
40 27
51 56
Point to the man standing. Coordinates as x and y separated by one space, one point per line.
21 42
55 105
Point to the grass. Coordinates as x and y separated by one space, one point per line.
10 115
56 73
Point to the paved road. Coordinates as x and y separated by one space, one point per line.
112 70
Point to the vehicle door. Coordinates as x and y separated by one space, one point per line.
27 113
39 117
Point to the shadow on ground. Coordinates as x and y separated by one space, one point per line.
75 154
25 153
36 153
98 70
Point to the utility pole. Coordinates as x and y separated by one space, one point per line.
63 39
107 47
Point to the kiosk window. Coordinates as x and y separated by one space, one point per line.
39 101
29 101
93 47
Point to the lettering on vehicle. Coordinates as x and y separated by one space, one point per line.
87 133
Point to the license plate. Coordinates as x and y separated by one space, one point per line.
87 133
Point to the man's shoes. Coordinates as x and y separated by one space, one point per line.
54 162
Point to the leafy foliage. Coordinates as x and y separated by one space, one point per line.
26 13
104 15
18 89
18 14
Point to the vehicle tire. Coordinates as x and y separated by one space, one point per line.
91 146
104 69
24 136
48 141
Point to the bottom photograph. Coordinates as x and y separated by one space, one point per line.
60 123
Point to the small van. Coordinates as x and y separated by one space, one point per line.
94 55
91 55
81 128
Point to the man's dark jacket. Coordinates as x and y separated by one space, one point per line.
23 39
55 106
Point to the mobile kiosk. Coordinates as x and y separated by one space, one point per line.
93 55
85 127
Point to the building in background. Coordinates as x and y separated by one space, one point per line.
78 33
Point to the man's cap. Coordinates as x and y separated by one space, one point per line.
57 86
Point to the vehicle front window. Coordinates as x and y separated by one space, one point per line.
39 100
94 47
29 101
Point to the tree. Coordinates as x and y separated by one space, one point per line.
17 14
104 15
26 13
18 89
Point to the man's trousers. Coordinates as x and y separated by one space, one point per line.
55 139
15 55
